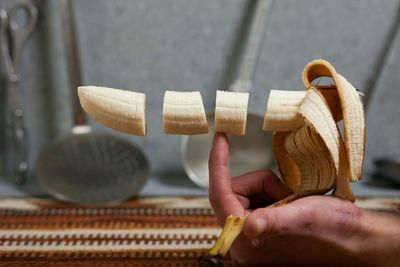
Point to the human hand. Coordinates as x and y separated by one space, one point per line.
312 231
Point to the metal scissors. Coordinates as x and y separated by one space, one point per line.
13 36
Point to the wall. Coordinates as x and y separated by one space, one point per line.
154 45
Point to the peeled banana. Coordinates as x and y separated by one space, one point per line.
120 110
309 150
183 113
231 112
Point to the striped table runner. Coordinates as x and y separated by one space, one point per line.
142 232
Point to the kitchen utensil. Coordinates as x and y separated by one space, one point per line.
13 36
253 150
86 167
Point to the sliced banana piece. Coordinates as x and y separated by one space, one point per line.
121 110
183 113
281 113
282 108
231 112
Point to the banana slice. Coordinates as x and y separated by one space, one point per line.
281 113
282 106
183 113
120 110
231 112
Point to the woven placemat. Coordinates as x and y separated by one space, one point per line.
141 232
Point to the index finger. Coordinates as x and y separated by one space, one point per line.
222 198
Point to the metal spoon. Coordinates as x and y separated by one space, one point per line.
86 167
249 152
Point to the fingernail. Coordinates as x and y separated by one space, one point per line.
261 226
215 139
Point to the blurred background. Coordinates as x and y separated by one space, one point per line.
150 46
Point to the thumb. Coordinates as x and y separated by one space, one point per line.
285 219
262 222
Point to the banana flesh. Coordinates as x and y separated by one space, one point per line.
120 110
281 113
231 112
183 113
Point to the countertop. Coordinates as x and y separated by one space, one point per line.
182 186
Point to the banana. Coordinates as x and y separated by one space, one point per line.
232 229
120 110
281 113
288 169
231 112
309 150
352 110
183 113
316 112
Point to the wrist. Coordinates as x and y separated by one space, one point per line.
378 242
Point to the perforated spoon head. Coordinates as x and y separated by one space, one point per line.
92 169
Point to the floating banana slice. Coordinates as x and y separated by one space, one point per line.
120 110
183 113
231 112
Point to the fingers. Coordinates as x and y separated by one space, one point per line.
222 198
260 183
313 216
218 165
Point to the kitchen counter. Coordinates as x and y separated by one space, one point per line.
181 186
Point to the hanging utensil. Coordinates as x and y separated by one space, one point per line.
86 167
13 36
253 150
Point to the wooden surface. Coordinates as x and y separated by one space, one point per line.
144 232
